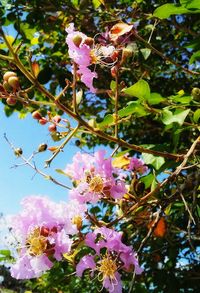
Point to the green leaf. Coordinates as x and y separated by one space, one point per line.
179 116
10 39
133 108
182 99
190 4
195 57
147 180
169 9
96 3
60 172
28 32
155 98
5 252
146 53
108 119
113 85
140 90
155 161
196 116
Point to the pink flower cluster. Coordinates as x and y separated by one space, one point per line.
94 177
111 256
42 228
80 53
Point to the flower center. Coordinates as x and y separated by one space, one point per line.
36 242
96 184
108 267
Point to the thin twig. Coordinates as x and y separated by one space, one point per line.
48 162
77 117
159 186
163 56
27 162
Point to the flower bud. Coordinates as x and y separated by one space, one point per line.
77 40
196 93
77 220
43 121
52 128
9 74
42 147
89 41
11 101
13 81
56 119
36 115
113 71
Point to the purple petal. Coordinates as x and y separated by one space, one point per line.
87 262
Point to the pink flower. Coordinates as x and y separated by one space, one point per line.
94 178
79 52
106 263
42 228
137 165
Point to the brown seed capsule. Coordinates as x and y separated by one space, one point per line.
18 152
11 101
42 147
8 74
36 115
13 81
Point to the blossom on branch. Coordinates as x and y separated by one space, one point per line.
111 256
42 230
94 178
79 52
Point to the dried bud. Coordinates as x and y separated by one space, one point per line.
77 40
89 41
11 101
9 74
196 93
113 71
13 81
43 121
114 55
126 53
42 147
18 152
36 115
52 128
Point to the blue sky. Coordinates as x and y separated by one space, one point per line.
16 183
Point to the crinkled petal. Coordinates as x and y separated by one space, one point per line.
114 285
87 262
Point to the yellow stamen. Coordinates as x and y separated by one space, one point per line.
36 243
96 184
108 267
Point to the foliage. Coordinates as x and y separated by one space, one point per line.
146 104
